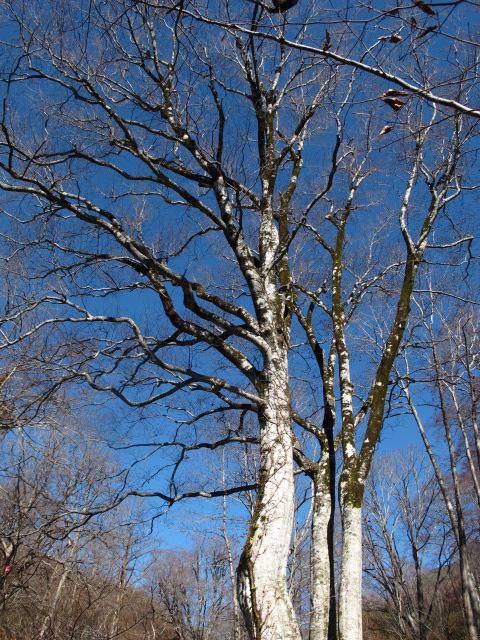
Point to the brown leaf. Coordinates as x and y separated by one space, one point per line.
394 103
386 129
394 37
426 31
327 43
413 23
423 6
394 93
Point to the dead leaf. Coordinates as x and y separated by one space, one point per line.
327 43
423 6
394 103
413 23
386 129
426 31
396 37
393 93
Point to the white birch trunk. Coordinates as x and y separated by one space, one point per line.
320 562
350 596
262 588
47 620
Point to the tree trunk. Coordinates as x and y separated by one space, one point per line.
422 626
469 593
121 587
231 566
320 569
350 599
470 598
48 620
262 589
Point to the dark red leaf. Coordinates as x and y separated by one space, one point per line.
426 32
394 103
393 93
423 6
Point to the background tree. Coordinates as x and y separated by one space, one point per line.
445 371
408 543
195 592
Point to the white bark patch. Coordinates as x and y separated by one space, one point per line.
349 450
271 536
320 565
350 596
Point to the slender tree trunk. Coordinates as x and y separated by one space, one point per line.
350 596
469 595
422 626
262 589
231 566
470 598
323 604
66 569
468 587
47 621
121 588
321 555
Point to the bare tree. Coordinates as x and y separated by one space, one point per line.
193 588
407 542
173 169
384 42
449 356
49 478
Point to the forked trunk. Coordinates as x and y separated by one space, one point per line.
350 597
262 589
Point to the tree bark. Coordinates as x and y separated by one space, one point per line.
49 617
350 597
322 588
422 626
262 590
121 587
469 597
231 566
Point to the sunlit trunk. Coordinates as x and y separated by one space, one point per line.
350 596
262 588
320 570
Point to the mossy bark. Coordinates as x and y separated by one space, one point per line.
262 571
